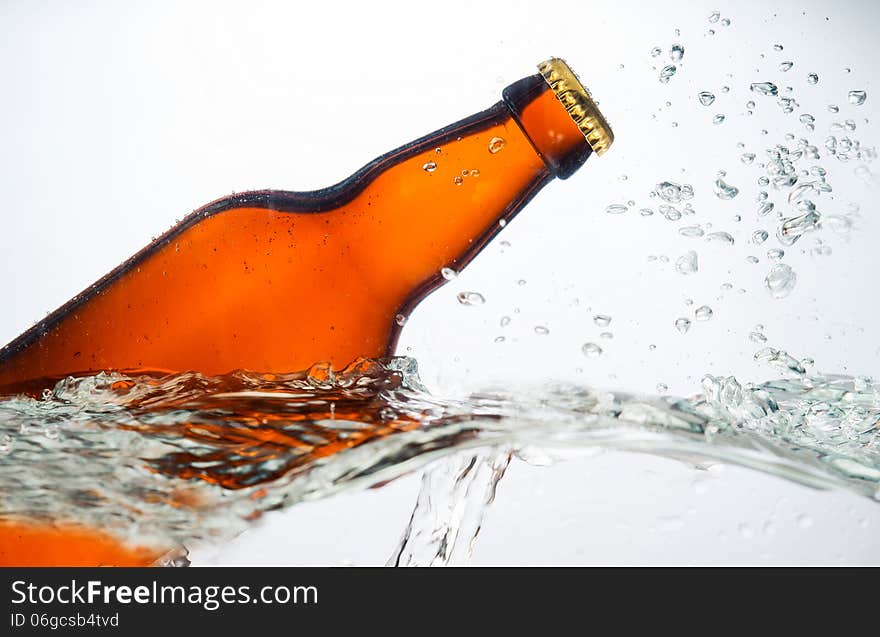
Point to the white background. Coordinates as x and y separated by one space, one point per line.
119 118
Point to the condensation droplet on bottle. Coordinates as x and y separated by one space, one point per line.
780 281
496 144
857 98
471 298
812 78
448 273
457 180
400 319
703 313
706 98
765 88
591 350
602 320
429 167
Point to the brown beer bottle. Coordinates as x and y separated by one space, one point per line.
275 281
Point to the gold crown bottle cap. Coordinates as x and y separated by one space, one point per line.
577 101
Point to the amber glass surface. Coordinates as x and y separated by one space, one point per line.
275 281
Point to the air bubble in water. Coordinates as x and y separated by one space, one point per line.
780 281
682 325
471 298
666 73
496 144
706 98
430 167
457 180
765 88
857 98
591 350
448 273
602 320
724 190
812 78
676 52
616 209
687 263
703 313
785 66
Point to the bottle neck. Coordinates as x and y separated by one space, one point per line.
553 134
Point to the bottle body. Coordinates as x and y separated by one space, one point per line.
276 281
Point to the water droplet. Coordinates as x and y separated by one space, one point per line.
400 319
808 121
429 167
725 22
505 321
720 237
676 52
448 273
687 263
706 98
785 66
683 324
750 105
804 521
499 339
542 330
747 158
691 231
777 47
672 192
656 51
646 212
591 350
602 320
724 190
457 180
780 281
616 209
857 98
714 17
718 119
765 88
666 73
606 335
812 78
471 298
662 388
496 144
757 337
759 237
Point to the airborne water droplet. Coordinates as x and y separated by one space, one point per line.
777 47
714 16
724 190
666 73
496 144
765 88
542 330
676 52
718 119
706 98
703 313
785 66
759 237
471 298
683 324
812 78
616 209
591 350
747 158
780 281
448 273
687 263
857 98
656 51
602 320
